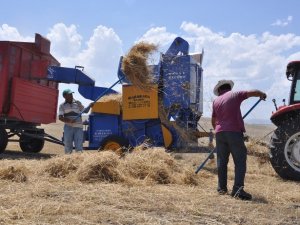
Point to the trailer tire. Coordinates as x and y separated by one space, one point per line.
285 151
31 144
3 139
114 143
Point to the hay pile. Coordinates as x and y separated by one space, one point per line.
16 174
100 167
111 98
135 65
65 200
151 166
141 167
61 166
259 150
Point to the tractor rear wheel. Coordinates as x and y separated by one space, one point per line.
31 144
285 150
3 139
114 143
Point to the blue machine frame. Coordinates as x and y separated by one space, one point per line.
179 78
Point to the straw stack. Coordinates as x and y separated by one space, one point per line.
135 65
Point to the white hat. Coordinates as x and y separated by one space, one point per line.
220 83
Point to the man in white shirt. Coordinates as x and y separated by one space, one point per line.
70 114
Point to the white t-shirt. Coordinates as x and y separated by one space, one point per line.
72 111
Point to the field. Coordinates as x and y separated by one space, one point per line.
144 187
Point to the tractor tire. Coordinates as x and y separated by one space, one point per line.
285 150
3 139
114 143
31 144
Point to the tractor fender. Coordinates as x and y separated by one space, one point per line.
284 113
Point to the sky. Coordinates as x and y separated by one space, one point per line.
249 42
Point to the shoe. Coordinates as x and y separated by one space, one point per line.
223 191
241 194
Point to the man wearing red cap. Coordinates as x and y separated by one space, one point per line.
229 127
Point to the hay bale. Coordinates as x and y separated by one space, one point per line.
100 167
259 150
134 65
161 174
144 166
190 178
61 166
111 98
152 165
16 174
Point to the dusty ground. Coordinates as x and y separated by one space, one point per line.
30 195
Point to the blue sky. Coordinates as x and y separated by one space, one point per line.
249 42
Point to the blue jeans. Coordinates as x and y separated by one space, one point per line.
73 134
231 142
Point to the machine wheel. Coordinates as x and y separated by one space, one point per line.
285 150
114 143
31 144
3 139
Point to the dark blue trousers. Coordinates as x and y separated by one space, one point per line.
229 142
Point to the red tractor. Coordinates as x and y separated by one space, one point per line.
285 141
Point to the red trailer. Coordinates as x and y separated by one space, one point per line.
27 98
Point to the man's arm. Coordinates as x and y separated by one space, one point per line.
87 109
213 117
61 116
65 120
213 122
256 93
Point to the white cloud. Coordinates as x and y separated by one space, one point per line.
283 23
8 33
251 61
102 54
158 36
99 56
65 41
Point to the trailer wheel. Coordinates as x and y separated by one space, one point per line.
285 151
3 139
114 143
31 144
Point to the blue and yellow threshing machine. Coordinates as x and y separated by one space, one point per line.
164 115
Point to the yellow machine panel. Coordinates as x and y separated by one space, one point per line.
140 104
168 139
110 107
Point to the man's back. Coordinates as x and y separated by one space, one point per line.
226 110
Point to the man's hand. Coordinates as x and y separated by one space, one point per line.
263 96
68 120
257 93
